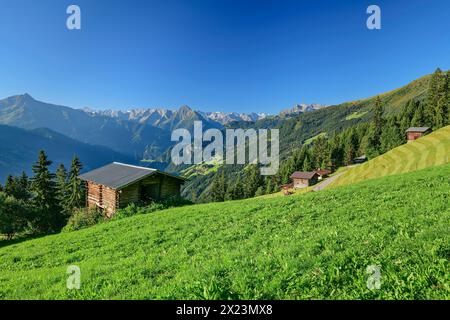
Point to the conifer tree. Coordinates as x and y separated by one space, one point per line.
376 129
350 147
441 112
23 184
62 188
238 189
259 191
270 187
218 188
391 136
337 152
253 181
419 118
433 98
447 97
307 163
75 187
44 190
10 186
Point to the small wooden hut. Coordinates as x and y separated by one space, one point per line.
415 133
116 185
304 179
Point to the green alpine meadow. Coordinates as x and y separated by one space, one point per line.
307 246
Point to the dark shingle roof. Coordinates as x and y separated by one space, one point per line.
418 129
322 172
303 175
118 175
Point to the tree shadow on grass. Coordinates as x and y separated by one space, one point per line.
19 239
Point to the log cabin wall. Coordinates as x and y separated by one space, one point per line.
414 136
155 187
103 197
94 195
129 195
170 187
301 183
109 200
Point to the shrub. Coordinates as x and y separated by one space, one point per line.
83 218
14 216
139 208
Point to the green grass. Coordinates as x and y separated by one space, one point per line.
310 246
204 168
430 150
395 99
311 140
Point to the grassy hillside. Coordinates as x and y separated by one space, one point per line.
395 99
431 150
303 129
316 245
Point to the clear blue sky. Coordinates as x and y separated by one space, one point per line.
247 55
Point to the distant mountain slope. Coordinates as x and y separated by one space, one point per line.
19 150
428 151
294 131
395 99
128 137
301 108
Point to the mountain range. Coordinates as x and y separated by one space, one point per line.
145 134
163 118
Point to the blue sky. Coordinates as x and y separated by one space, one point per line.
214 55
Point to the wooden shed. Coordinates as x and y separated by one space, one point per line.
414 133
304 179
323 173
116 185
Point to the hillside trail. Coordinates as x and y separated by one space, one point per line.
329 180
324 184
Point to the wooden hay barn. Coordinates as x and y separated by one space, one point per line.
323 173
415 133
304 179
116 185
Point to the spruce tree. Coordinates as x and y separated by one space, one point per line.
350 146
218 188
259 191
75 187
10 186
23 187
447 97
238 189
433 98
44 191
419 118
391 136
253 181
337 152
62 188
376 129
307 163
270 186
